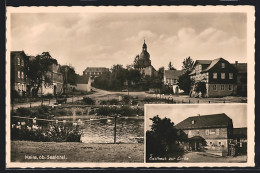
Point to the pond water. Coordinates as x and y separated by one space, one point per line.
128 129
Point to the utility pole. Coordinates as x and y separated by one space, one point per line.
115 130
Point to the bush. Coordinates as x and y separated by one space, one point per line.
113 102
15 94
126 99
52 134
88 101
23 112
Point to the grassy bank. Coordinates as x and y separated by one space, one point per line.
27 151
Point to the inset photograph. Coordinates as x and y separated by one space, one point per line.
196 133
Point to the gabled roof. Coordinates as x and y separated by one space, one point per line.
205 121
240 132
212 64
241 67
96 69
173 73
207 62
82 79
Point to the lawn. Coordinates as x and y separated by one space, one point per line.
27 151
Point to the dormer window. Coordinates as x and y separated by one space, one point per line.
193 122
222 65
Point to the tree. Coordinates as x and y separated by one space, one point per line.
38 71
161 73
163 139
71 74
201 87
185 82
187 64
170 66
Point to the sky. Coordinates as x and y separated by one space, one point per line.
103 39
178 113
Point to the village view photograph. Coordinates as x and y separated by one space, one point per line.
196 133
79 82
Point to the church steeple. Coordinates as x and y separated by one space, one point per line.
144 47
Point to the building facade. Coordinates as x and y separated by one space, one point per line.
219 76
171 78
56 79
95 71
83 83
241 78
19 81
216 130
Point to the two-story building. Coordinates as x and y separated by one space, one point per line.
95 71
171 78
241 78
56 79
215 129
219 76
19 80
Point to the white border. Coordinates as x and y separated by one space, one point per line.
142 9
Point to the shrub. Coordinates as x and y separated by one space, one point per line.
113 102
126 99
23 112
88 101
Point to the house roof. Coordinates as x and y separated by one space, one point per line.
212 64
82 79
205 121
203 61
96 69
240 132
241 67
173 73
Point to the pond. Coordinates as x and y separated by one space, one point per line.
98 129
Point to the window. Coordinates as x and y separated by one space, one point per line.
22 75
222 87
207 131
193 122
223 76
215 75
198 132
18 61
22 87
214 87
230 75
222 65
230 87
219 143
217 131
18 87
174 81
22 62
19 75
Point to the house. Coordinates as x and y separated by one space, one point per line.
218 75
19 81
95 71
83 83
171 78
240 139
214 131
241 78
56 79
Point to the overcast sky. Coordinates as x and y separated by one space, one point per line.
104 39
177 113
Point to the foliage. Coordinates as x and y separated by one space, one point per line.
88 101
37 71
170 66
185 83
166 90
70 74
163 139
200 87
161 73
56 133
187 64
126 99
15 94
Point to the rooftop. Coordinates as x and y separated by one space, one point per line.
205 121
173 73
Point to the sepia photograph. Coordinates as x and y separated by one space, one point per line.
196 133
85 85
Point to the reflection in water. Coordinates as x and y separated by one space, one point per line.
102 131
